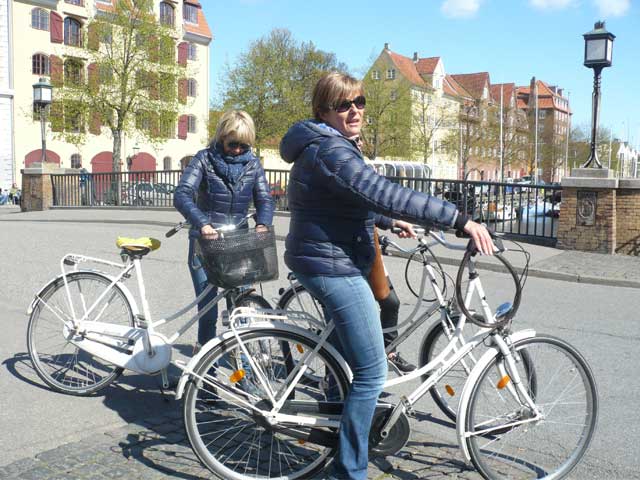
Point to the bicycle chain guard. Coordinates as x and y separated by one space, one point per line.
398 435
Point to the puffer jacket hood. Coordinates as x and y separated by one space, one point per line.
299 137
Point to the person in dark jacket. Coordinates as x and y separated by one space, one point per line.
333 198
216 189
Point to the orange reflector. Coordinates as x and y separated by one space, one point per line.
450 390
301 442
236 376
504 381
299 347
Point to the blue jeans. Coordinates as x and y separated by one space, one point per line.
206 323
349 302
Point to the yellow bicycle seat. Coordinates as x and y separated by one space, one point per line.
138 245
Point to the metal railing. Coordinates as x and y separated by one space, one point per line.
519 210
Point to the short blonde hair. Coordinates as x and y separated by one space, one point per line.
238 125
333 88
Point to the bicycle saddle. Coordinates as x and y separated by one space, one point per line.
142 245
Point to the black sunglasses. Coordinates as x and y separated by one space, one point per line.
345 105
242 146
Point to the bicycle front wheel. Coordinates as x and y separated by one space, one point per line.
233 439
59 363
504 438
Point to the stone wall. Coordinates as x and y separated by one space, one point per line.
37 191
628 217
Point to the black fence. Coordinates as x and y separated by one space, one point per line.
521 210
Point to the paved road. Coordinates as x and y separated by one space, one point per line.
130 429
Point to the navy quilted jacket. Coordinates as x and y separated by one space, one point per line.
334 197
203 197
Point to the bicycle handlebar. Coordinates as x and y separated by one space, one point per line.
223 228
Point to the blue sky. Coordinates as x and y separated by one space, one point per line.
511 39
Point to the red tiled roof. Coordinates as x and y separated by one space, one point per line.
105 7
407 68
426 66
522 104
474 83
451 87
508 90
193 2
202 28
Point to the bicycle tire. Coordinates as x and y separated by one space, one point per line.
63 366
253 300
244 439
489 440
297 298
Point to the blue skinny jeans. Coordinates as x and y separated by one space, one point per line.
206 323
349 302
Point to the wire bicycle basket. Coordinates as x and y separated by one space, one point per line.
239 257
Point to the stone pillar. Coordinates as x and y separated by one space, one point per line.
588 213
37 191
628 216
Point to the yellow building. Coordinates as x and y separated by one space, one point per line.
45 35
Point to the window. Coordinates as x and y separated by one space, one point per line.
72 32
190 13
191 124
166 163
167 127
192 87
192 51
143 122
40 64
105 73
542 114
393 95
73 71
76 160
75 2
391 74
73 121
167 14
40 19
375 74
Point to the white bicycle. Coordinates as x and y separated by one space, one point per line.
528 408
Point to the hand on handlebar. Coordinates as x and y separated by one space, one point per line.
481 237
405 229
208 232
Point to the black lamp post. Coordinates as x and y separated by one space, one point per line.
598 49
42 94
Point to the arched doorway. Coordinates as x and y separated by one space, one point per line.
184 161
35 156
102 163
142 162
102 178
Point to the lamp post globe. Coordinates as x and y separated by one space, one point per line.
42 96
598 54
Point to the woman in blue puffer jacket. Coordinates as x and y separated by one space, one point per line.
334 198
216 189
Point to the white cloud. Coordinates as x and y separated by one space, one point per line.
551 4
612 8
460 8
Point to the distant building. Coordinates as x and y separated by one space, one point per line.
7 174
48 35
628 158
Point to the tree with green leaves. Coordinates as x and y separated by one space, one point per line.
132 84
430 114
468 137
387 128
273 81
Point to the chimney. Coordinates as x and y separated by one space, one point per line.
386 46
415 57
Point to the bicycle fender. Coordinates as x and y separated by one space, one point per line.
120 286
471 381
262 325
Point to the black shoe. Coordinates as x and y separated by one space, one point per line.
401 364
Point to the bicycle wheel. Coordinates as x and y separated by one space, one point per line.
299 299
60 364
255 301
236 442
550 447
446 393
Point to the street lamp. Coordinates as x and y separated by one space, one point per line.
130 158
598 49
42 94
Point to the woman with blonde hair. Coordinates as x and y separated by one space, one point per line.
335 199
216 189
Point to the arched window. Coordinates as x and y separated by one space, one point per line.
167 14
73 71
72 32
166 163
192 51
40 19
76 161
192 87
184 161
191 123
40 64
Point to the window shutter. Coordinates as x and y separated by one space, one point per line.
153 86
153 49
95 123
182 90
182 126
155 125
93 40
92 70
55 68
182 54
55 25
56 115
